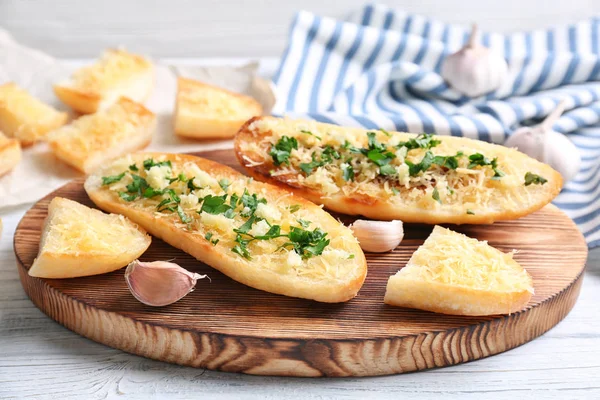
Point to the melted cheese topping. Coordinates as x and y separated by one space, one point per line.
335 262
209 101
24 107
95 133
75 228
463 189
114 67
454 259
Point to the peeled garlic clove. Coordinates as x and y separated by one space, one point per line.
548 146
378 236
474 70
159 283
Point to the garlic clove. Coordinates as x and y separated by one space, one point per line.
474 70
378 236
547 145
159 283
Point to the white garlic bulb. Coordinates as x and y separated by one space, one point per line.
474 70
159 283
378 236
548 146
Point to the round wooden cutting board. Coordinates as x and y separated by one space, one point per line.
224 325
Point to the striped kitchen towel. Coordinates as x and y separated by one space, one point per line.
380 68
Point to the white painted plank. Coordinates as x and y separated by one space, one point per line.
182 28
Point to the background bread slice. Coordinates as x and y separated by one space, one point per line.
24 117
91 140
334 276
10 154
117 73
454 274
205 111
81 241
483 202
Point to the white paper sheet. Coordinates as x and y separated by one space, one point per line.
39 173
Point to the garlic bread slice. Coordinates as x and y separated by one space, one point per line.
10 154
454 274
116 74
204 111
253 232
26 118
91 140
81 241
391 175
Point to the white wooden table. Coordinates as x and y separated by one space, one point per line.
41 359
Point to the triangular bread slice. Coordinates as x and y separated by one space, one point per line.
92 140
454 274
81 241
24 117
205 111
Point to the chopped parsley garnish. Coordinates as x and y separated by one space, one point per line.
303 223
327 156
347 172
107 180
378 154
450 162
470 212
351 256
209 236
531 178
127 196
423 165
310 133
251 203
386 133
224 183
191 185
387 170
170 203
186 219
422 141
133 167
479 159
436 195
149 163
214 205
293 208
395 191
282 149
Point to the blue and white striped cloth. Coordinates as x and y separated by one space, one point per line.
380 68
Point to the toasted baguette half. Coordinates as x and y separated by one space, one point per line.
81 241
338 167
195 204
10 154
204 111
454 274
24 117
91 140
116 74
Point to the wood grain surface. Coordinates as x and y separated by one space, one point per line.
226 326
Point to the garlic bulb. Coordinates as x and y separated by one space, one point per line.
378 236
548 146
474 70
159 283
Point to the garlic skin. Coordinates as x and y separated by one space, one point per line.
159 283
548 146
378 236
474 70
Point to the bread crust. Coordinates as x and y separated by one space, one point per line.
376 208
10 154
229 263
196 125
